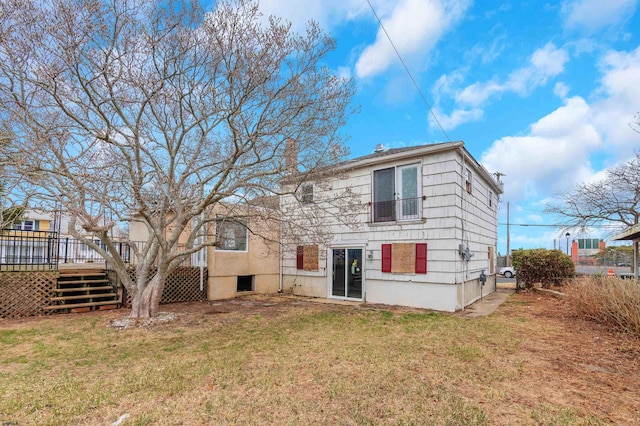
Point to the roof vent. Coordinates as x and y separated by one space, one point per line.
379 148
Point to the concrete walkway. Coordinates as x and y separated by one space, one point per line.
488 304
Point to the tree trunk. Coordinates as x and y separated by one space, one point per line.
145 303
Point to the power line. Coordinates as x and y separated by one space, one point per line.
424 99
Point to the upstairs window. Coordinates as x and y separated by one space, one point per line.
490 199
469 181
27 225
232 234
306 193
397 193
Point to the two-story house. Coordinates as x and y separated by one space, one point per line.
425 233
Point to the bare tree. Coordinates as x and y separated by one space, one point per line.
160 111
616 198
635 124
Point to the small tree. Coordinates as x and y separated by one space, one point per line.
158 111
547 267
616 198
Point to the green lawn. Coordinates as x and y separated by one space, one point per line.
297 362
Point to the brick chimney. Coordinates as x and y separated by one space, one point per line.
291 156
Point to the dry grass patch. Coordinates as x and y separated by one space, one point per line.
608 300
286 361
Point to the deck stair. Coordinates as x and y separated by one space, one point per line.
84 289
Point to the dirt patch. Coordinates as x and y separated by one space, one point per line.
575 362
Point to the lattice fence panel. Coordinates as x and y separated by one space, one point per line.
26 293
182 285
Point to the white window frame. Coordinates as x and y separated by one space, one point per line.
220 223
397 191
26 225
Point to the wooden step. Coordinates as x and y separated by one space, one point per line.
72 289
83 296
81 305
81 272
62 282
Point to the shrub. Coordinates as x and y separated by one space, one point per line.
548 267
608 300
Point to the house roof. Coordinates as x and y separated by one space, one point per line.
395 154
632 233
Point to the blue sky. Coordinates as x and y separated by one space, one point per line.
541 91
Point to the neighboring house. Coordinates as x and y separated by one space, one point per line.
44 238
426 230
30 241
246 258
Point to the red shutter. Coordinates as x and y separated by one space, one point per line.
386 258
421 258
300 257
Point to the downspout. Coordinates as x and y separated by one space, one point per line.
280 256
462 211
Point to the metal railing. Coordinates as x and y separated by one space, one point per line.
395 210
28 250
198 258
43 251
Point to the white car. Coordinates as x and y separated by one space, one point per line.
507 271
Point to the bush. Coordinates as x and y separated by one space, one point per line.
608 300
548 267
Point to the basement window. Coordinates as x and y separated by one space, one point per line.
245 283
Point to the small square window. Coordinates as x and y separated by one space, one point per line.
244 283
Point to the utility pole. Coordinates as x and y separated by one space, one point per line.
508 239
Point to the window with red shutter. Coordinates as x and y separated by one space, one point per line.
421 258
386 258
300 257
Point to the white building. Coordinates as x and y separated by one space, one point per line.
425 231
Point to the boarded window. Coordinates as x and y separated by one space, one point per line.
386 258
403 257
310 260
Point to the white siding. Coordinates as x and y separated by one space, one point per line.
450 217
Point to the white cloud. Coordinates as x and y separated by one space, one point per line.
414 26
554 156
595 14
618 101
556 153
457 117
326 12
544 64
561 90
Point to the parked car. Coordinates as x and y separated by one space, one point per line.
507 271
624 264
